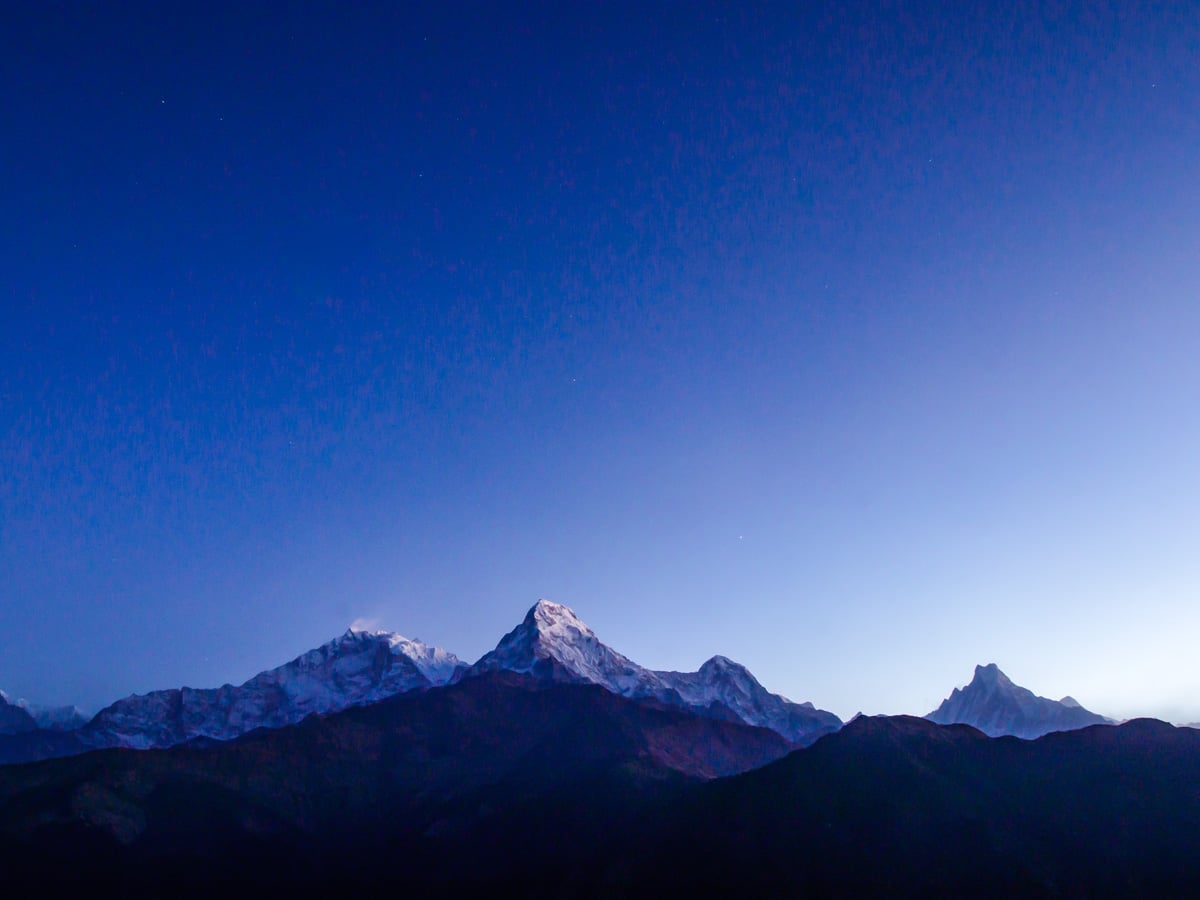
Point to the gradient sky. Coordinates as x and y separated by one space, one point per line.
858 343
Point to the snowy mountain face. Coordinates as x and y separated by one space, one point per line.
996 706
554 644
357 668
14 719
723 682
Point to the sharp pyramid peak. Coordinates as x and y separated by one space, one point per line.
548 616
549 608
991 676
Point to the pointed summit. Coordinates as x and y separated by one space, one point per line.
722 664
548 609
554 644
996 706
990 678
555 619
990 674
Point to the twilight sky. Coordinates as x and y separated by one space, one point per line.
859 345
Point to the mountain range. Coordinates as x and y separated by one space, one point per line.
551 644
357 668
556 766
533 787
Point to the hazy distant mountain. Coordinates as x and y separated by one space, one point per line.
552 643
55 718
21 716
721 682
996 706
14 719
357 668
40 743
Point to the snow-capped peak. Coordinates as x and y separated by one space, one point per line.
355 668
556 620
55 718
723 672
554 644
724 669
434 663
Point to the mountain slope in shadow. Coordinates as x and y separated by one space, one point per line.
902 806
464 779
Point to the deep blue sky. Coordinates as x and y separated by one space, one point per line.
856 342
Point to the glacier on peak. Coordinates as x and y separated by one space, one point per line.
434 663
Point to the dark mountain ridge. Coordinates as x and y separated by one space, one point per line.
570 790
903 806
13 719
482 764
